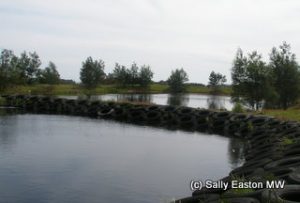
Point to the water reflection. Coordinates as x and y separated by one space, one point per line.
236 152
191 100
216 102
144 98
178 100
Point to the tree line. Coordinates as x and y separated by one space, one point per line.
25 69
255 83
92 74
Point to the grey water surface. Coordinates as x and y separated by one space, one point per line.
50 158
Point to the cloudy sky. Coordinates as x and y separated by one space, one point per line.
198 35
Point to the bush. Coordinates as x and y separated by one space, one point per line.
238 108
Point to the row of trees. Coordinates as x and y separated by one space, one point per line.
141 76
92 74
256 83
25 69
275 84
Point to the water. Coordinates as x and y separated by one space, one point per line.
49 158
191 100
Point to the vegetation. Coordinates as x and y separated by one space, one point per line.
257 83
238 108
238 191
216 80
133 76
176 81
287 141
24 70
265 86
250 79
286 76
76 89
49 75
92 72
288 114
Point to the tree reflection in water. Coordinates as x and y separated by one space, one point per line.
236 152
178 100
144 98
215 102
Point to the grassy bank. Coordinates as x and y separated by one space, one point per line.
289 114
103 89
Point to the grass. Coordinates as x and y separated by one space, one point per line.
289 114
287 141
102 89
206 90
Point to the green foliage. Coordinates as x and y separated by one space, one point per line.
28 67
21 70
286 75
215 81
268 176
133 76
49 75
288 114
176 80
238 191
32 69
145 76
121 75
276 85
6 71
238 108
92 72
287 141
250 79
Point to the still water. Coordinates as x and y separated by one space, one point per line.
49 158
191 100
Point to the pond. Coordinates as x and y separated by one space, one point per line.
191 100
49 158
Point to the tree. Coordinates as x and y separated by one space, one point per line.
121 75
177 79
145 76
250 79
49 75
133 73
92 72
23 65
5 68
28 66
286 75
216 80
133 76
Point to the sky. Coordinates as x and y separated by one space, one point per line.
197 35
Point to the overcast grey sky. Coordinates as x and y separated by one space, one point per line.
198 35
